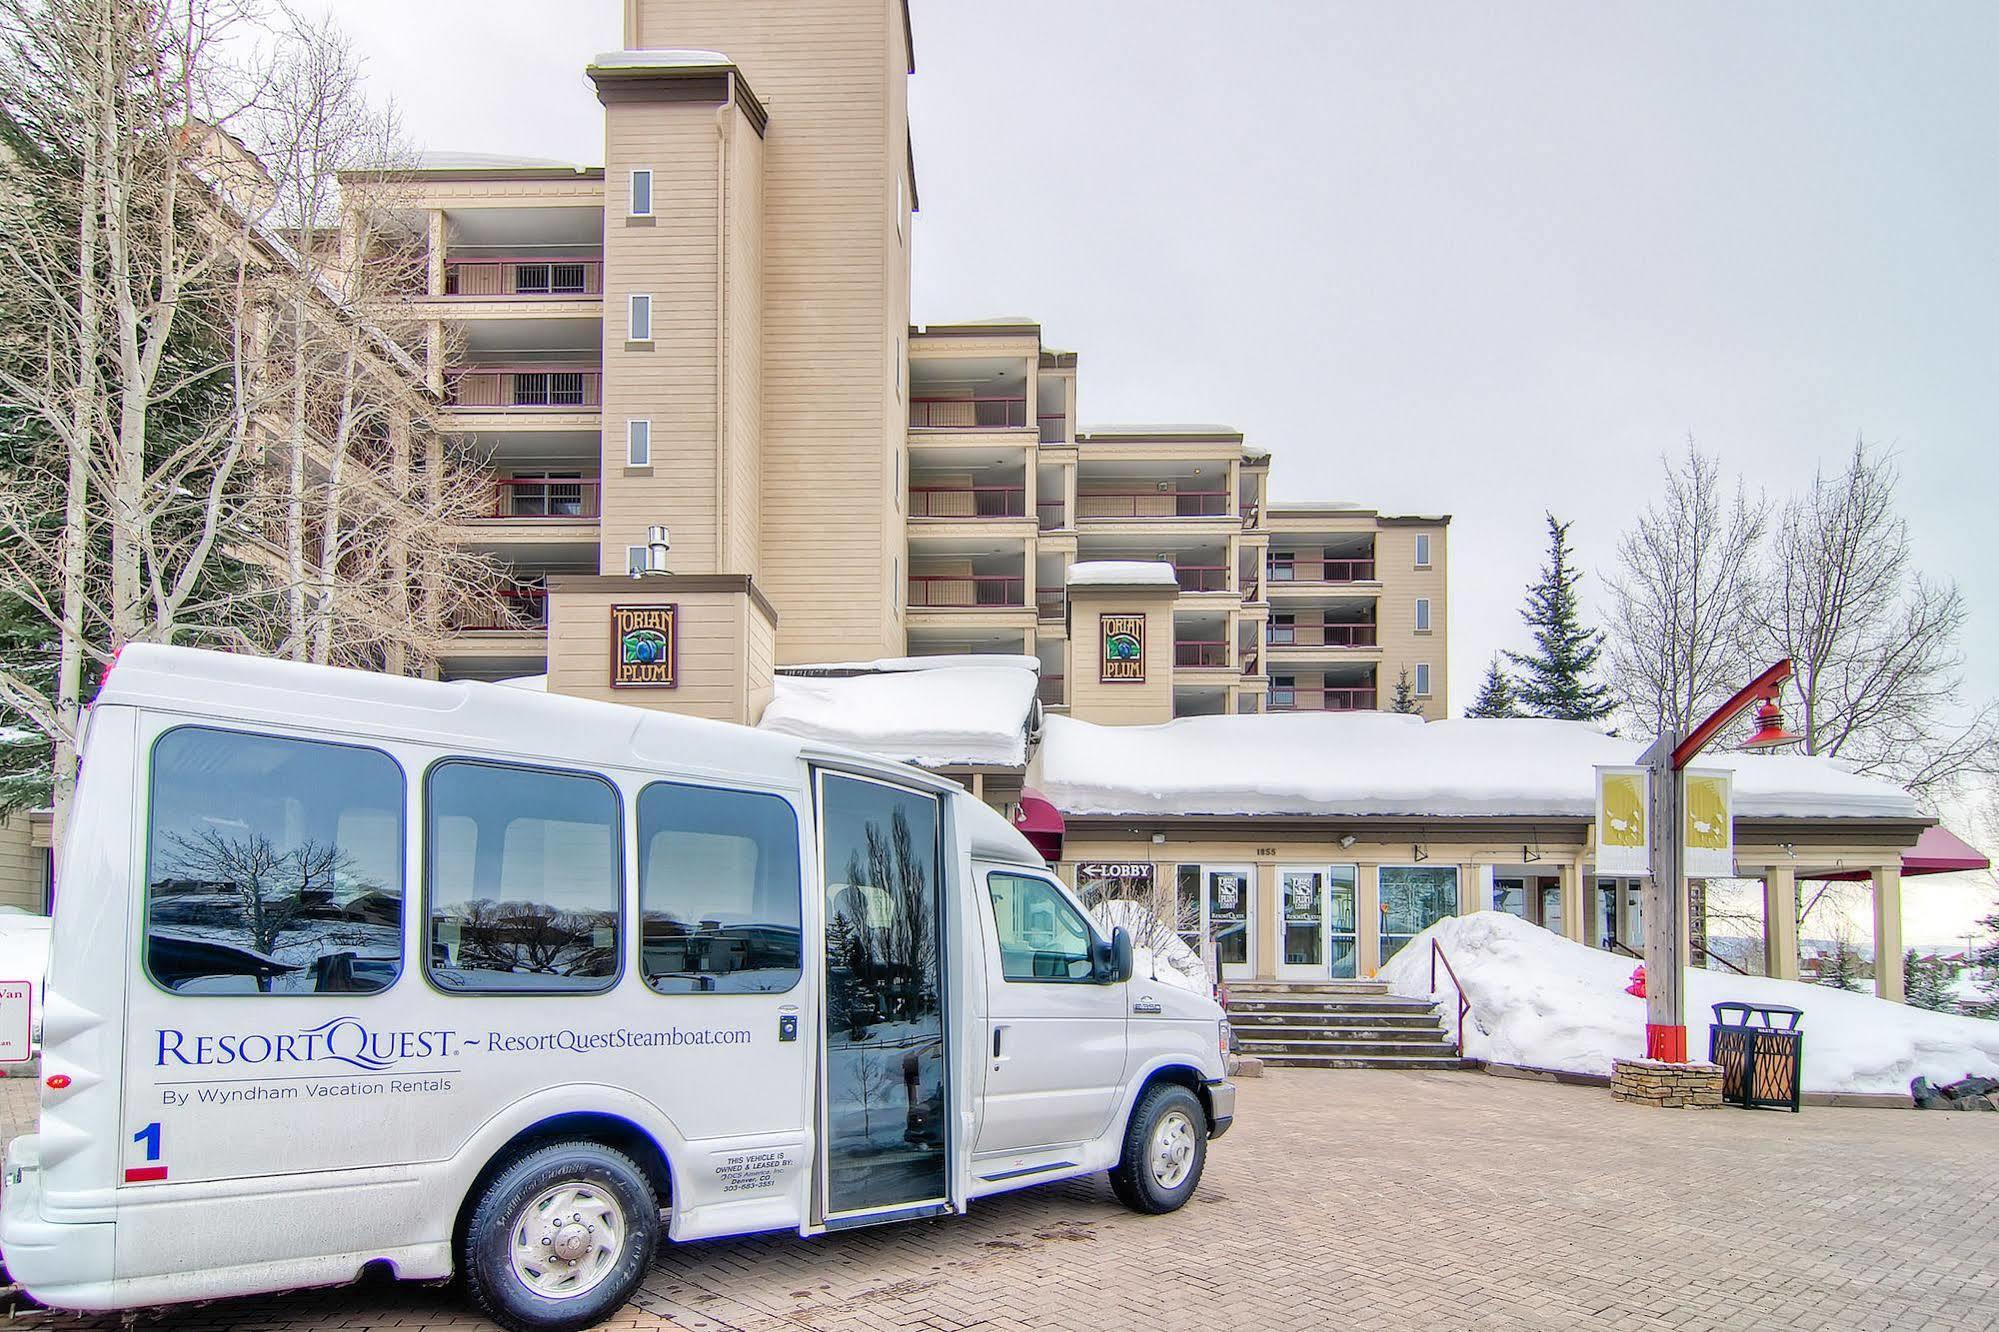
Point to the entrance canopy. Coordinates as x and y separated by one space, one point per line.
1937 851
1040 823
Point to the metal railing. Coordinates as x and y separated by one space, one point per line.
1049 515
509 610
1059 433
1202 577
1250 662
1437 955
547 497
551 388
972 413
1294 699
1322 571
960 591
1051 689
1152 504
1201 653
968 501
1323 635
1050 602
524 279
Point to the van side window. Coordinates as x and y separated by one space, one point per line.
273 866
719 891
523 880
1041 937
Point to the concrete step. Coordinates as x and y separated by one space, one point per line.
1249 1021
1332 1006
1281 988
1348 1049
1412 1062
1247 1036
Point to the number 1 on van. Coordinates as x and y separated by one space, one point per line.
148 1137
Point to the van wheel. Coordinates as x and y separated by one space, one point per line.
560 1238
1165 1147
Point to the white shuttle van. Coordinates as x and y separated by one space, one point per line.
453 978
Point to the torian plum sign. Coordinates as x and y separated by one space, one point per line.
1123 649
645 647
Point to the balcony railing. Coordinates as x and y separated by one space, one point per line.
964 591
1201 654
1323 635
1321 700
524 279
1202 577
1152 504
1050 602
1251 662
527 389
968 501
1048 515
1052 690
967 413
547 497
1054 427
508 610
1322 571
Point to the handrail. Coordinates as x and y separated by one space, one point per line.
1619 946
1437 955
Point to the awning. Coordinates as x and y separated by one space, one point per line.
1040 823
1937 851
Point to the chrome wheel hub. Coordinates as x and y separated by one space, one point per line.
1171 1154
567 1240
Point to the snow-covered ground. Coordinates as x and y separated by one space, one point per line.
1157 951
1542 1001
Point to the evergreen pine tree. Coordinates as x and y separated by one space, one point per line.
1985 963
1927 982
1557 677
1405 695
1496 697
1840 968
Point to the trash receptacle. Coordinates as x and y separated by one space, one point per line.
1762 1064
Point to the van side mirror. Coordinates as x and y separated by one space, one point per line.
1121 960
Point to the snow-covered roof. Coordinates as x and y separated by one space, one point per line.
942 662
661 58
958 713
1122 573
1386 764
448 160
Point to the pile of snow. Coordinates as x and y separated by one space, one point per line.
1543 1001
536 683
958 714
1123 573
942 662
1157 951
1385 763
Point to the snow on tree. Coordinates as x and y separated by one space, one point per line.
1840 966
1496 697
1928 982
1557 678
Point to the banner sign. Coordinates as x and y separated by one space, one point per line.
1709 818
1623 822
645 648
1123 643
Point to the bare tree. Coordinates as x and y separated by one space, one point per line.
1875 641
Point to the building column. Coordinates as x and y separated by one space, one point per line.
1069 518
1780 923
1267 944
1575 915
438 239
1888 932
1367 919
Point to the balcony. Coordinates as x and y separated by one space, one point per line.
1050 604
1095 505
526 388
1323 635
1202 577
1302 570
967 413
560 499
967 591
524 279
1048 515
1201 654
1290 699
968 502
1051 690
509 610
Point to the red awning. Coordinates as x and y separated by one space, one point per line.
1937 851
1040 823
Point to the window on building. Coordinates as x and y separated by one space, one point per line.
639 329
1422 550
1422 615
523 879
642 192
638 443
544 495
719 891
274 866
1422 679
1041 936
635 559
1413 898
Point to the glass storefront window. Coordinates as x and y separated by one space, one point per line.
1413 898
1342 924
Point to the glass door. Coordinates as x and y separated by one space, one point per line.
1413 898
887 1104
1342 925
1230 899
1301 900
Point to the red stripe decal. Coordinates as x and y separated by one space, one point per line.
144 1174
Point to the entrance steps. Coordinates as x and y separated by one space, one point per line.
1338 1024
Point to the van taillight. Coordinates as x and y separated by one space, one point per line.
58 1081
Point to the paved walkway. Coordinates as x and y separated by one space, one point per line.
1380 1200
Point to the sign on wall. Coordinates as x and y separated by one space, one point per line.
1623 813
1709 818
645 647
1123 646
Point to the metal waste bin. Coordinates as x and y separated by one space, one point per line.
1762 1064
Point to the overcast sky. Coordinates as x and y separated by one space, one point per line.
1484 260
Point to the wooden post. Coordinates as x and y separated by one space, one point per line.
1665 911
1780 922
1888 933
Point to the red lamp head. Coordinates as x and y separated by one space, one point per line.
1770 732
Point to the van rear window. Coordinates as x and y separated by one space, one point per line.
719 891
274 866
525 880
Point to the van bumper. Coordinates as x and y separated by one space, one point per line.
62 1264
1221 1107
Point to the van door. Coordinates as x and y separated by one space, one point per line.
1055 1033
886 1099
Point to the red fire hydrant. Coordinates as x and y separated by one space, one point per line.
1637 986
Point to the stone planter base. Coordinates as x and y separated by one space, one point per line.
1673 1086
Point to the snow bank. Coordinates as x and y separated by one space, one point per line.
942 662
1122 573
1157 951
1540 1000
1384 763
962 714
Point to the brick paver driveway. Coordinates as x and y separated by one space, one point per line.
1383 1200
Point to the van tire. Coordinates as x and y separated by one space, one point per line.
625 1218
1165 1149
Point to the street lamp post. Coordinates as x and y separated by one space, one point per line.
1666 946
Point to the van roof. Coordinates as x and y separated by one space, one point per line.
475 717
